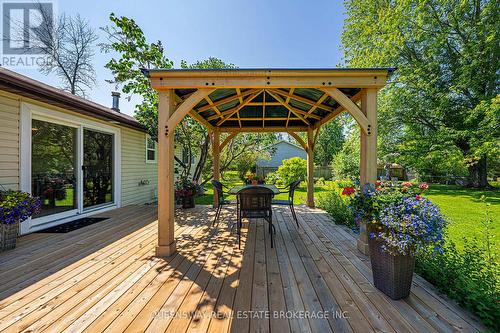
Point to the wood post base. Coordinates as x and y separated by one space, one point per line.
165 250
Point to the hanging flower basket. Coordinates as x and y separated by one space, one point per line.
15 207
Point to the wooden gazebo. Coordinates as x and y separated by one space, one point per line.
261 100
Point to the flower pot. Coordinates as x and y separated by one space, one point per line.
188 202
392 274
8 236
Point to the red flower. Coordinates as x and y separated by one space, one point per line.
378 183
348 191
418 197
406 184
423 186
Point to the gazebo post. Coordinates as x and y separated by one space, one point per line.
216 158
166 240
310 167
368 152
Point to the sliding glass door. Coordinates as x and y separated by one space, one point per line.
97 168
72 168
54 166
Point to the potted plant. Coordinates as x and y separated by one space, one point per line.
185 191
401 223
15 207
250 178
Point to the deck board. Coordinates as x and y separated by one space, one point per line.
105 278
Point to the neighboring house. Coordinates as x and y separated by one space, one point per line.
79 157
283 151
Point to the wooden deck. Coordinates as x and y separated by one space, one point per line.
105 277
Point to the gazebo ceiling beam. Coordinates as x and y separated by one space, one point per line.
239 95
230 112
287 101
303 100
290 108
214 107
317 104
264 129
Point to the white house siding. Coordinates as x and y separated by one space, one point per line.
9 142
139 179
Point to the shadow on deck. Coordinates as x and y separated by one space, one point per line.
105 277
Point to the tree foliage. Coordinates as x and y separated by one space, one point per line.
292 169
126 38
67 41
329 143
443 95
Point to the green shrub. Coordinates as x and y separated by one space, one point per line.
337 205
292 169
274 178
470 276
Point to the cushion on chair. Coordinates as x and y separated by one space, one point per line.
282 202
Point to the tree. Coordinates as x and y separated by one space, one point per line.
198 135
68 42
136 53
127 39
447 58
329 143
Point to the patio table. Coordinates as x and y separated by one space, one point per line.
236 189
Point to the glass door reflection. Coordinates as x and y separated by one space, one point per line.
53 166
97 168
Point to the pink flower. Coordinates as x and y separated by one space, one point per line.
418 197
348 191
406 184
423 186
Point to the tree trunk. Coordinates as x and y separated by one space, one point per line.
478 173
203 158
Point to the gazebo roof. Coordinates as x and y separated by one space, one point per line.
267 99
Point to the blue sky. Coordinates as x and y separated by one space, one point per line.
252 34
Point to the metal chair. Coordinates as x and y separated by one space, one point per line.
291 191
219 193
255 202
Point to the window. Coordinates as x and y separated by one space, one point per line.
150 150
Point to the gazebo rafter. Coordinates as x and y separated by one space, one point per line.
262 100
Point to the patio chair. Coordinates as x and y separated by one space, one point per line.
255 202
291 190
219 193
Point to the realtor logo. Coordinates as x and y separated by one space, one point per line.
24 25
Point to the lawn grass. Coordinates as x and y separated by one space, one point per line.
465 211
462 207
231 179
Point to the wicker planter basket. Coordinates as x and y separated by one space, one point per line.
8 236
188 202
391 274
